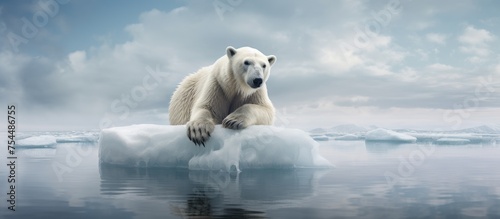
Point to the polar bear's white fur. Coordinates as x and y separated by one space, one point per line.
231 92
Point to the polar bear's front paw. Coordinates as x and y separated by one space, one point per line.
234 122
198 131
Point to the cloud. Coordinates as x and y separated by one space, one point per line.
475 36
441 67
436 38
319 62
77 60
475 43
422 25
442 75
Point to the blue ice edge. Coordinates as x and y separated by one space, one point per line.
256 147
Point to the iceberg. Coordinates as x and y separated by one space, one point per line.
320 138
454 138
348 137
381 134
452 141
256 147
37 141
77 139
484 129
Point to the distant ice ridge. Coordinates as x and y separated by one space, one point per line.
37 141
255 147
320 138
341 129
51 139
346 132
453 141
486 134
381 134
348 137
77 137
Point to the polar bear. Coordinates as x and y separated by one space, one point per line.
231 92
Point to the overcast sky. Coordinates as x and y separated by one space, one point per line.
397 64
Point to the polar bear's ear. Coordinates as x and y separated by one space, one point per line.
231 51
271 59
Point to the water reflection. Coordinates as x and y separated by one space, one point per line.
382 147
454 181
216 194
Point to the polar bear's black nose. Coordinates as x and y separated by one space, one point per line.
257 82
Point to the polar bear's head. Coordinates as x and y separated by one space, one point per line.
250 67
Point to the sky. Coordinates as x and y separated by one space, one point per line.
77 65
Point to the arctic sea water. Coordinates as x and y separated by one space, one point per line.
378 174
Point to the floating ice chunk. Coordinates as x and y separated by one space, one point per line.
320 138
348 137
168 146
451 138
453 141
76 139
37 141
381 134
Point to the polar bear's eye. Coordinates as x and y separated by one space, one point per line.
246 62
264 66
